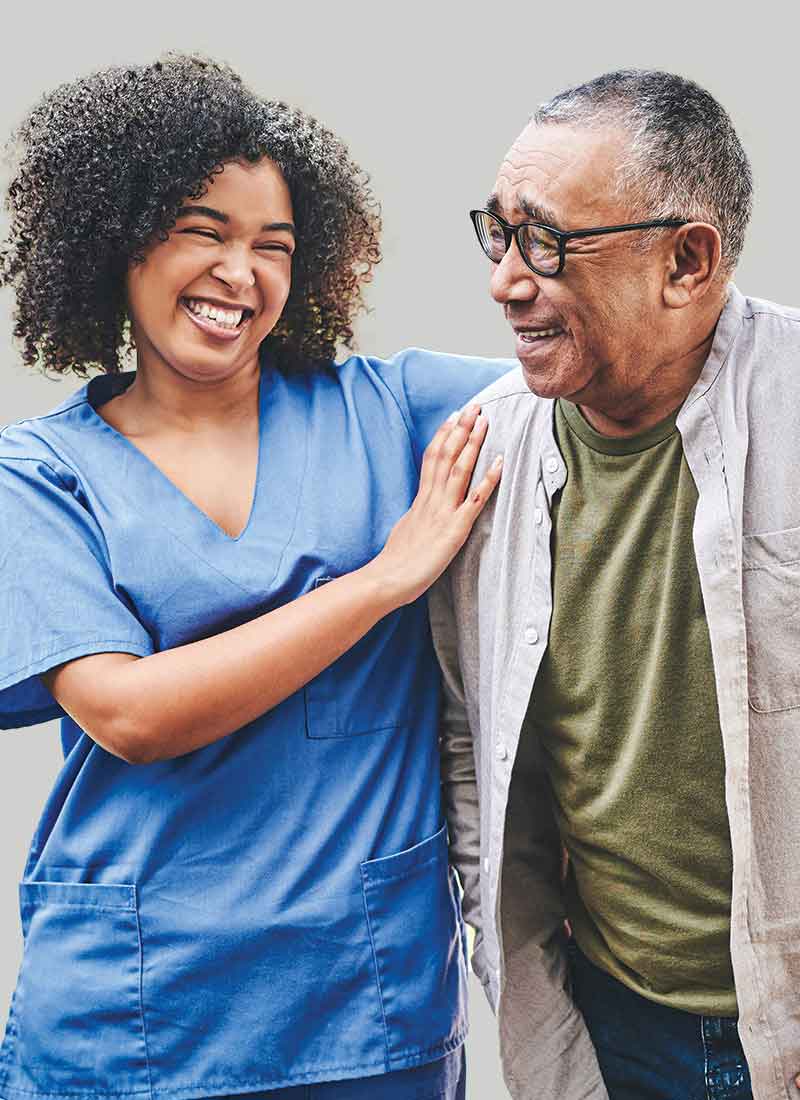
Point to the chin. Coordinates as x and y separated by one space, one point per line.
542 383
548 381
195 370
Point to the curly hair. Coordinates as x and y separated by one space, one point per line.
101 168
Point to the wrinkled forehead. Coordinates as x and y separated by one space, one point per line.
562 175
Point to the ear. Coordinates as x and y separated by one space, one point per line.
693 264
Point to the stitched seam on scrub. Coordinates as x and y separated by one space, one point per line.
377 974
447 1045
141 998
11 677
379 879
192 550
217 1086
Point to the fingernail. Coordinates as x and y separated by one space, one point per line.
473 409
453 416
498 462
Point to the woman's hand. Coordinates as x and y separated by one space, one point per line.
424 542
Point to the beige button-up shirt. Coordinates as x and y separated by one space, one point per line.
740 427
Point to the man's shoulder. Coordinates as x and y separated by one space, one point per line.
768 348
518 418
509 400
755 339
772 330
761 307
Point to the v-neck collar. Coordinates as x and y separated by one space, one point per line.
103 388
115 472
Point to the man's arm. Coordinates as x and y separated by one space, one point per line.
546 1047
459 782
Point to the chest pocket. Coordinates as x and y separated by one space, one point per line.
771 592
367 689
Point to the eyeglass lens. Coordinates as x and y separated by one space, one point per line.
538 245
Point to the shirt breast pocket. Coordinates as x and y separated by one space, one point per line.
366 690
771 593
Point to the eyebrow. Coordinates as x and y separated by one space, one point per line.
218 216
532 210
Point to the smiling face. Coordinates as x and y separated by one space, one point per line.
203 300
592 334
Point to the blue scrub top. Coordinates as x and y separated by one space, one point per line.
276 908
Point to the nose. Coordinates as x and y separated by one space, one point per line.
235 267
512 280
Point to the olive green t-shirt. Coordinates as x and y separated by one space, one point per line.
625 707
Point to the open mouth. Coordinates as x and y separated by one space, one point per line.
535 335
215 319
531 341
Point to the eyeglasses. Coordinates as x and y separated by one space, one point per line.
543 248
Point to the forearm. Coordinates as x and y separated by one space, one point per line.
177 700
460 798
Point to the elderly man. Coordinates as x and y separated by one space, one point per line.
621 635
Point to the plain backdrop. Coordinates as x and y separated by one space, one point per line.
428 96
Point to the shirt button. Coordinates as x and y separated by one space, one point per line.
531 635
500 751
538 515
551 465
486 865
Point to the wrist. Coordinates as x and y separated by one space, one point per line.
386 588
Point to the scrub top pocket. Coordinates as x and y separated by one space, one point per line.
364 691
419 946
76 1023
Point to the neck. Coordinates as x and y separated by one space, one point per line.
627 410
160 399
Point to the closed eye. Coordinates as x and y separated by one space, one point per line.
208 233
275 246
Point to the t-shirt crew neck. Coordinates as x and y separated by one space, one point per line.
617 445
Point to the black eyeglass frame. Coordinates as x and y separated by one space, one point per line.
511 232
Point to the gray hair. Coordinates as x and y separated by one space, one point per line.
684 158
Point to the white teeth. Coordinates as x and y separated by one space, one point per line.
540 333
225 318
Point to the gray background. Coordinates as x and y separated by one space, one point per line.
428 98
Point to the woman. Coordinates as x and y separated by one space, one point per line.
240 882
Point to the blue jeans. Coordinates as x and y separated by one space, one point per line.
444 1079
650 1052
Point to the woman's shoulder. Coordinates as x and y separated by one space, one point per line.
426 385
424 370
39 440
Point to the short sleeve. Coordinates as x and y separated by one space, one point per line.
57 595
430 385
